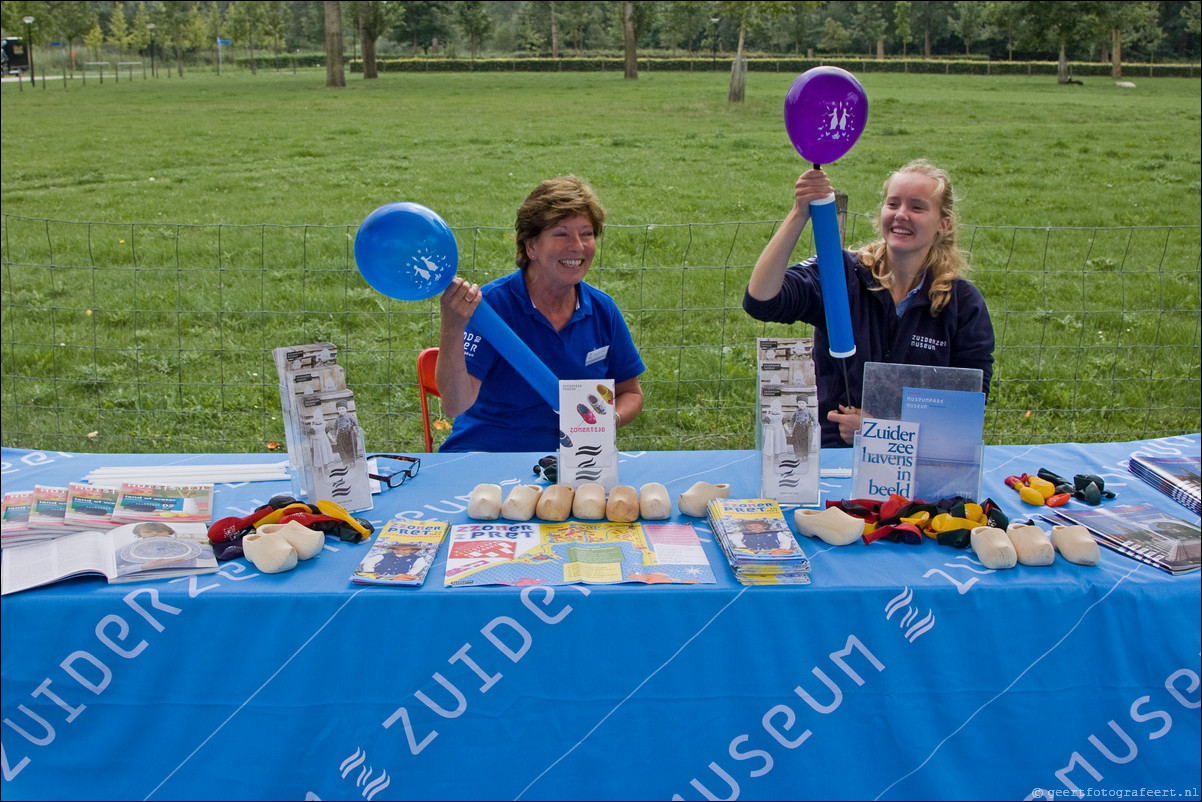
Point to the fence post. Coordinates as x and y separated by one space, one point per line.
841 215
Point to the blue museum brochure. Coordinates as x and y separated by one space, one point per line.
952 423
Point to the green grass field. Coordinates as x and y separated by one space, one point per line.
214 217
668 148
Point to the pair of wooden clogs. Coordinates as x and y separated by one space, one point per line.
1030 545
275 548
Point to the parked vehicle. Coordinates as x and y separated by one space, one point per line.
16 56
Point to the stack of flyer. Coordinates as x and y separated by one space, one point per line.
14 519
1176 477
48 512
326 455
757 542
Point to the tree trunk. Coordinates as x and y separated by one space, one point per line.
254 67
335 75
880 48
1062 66
369 41
632 56
926 45
738 72
555 32
1116 53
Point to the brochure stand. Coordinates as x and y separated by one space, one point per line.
787 432
922 434
326 455
588 450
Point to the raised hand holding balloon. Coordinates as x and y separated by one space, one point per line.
825 112
408 252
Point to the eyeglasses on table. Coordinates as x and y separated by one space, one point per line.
396 477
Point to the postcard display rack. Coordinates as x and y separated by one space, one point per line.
921 435
787 432
326 456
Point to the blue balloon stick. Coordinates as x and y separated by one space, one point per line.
832 277
490 325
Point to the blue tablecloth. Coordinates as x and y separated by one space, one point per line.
901 672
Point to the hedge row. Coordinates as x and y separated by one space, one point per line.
793 66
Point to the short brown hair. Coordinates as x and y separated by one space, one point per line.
551 201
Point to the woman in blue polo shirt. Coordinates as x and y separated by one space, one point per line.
909 302
575 329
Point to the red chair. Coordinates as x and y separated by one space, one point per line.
426 386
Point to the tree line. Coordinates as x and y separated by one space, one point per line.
186 31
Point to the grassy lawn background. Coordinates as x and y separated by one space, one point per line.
213 218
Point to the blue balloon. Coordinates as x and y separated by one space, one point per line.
831 275
498 334
406 251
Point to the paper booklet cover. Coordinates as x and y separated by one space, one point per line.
402 553
1142 532
588 449
950 441
788 435
333 461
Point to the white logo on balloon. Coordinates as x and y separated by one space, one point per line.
836 128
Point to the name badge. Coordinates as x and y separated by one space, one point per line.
596 355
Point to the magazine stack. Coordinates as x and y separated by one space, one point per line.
757 542
1176 477
48 512
1141 532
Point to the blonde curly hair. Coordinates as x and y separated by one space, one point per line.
945 261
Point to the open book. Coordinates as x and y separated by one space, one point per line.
130 553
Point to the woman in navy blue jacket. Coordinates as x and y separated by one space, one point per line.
908 299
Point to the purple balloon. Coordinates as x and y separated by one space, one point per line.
825 112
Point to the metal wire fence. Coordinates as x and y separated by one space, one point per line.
145 337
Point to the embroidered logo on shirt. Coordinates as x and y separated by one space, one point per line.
596 355
928 343
470 343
